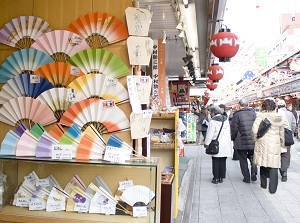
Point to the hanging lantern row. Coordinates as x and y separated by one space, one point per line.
215 72
211 85
224 45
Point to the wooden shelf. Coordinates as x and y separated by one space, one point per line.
17 214
162 146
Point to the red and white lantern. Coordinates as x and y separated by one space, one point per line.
211 85
215 72
298 96
287 98
224 45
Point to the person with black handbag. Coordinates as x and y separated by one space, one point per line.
219 129
267 150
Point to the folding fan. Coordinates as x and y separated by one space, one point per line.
137 193
117 150
27 145
52 183
9 143
20 129
23 61
27 110
99 61
60 44
23 195
103 114
21 32
99 29
44 145
56 131
75 181
57 99
99 182
37 130
57 200
40 196
139 50
27 85
138 21
72 137
78 201
99 86
60 74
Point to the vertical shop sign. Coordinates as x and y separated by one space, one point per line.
191 127
162 72
155 69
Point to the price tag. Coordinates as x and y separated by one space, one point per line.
42 182
53 206
114 155
123 185
35 79
74 70
22 202
147 113
111 82
36 205
139 211
108 209
75 40
62 152
81 207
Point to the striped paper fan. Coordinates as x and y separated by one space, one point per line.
117 150
9 143
27 145
137 193
74 182
99 29
40 196
60 74
23 193
20 129
37 130
99 61
99 86
24 61
57 131
138 21
139 50
44 146
91 145
27 110
28 85
57 99
103 114
21 32
72 137
60 44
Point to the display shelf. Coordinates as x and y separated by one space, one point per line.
142 172
162 145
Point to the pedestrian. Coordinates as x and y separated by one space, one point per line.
286 150
223 110
290 108
241 135
201 125
218 160
267 149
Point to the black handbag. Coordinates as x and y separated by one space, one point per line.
263 128
288 137
213 147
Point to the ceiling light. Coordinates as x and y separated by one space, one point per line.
186 3
181 34
179 26
164 37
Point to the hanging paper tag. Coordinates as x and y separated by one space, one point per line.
110 81
139 211
34 79
133 94
62 152
74 70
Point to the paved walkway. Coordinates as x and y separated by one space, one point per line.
233 200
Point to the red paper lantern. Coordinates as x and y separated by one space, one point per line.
206 98
224 45
277 99
287 98
259 102
298 96
211 85
215 72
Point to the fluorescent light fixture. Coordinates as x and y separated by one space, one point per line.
186 3
179 26
181 34
164 37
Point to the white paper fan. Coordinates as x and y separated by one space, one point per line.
21 32
58 100
56 200
24 61
27 110
138 21
137 193
60 44
99 86
103 114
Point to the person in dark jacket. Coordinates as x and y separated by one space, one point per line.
241 135
201 125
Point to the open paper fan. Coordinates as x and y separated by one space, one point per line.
78 201
60 74
23 195
99 61
20 129
23 61
99 86
137 193
99 29
27 110
58 199
57 131
90 146
21 32
60 44
44 146
72 137
27 144
9 143
57 99
103 114
27 85
139 50
138 21
37 130
75 181
117 150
